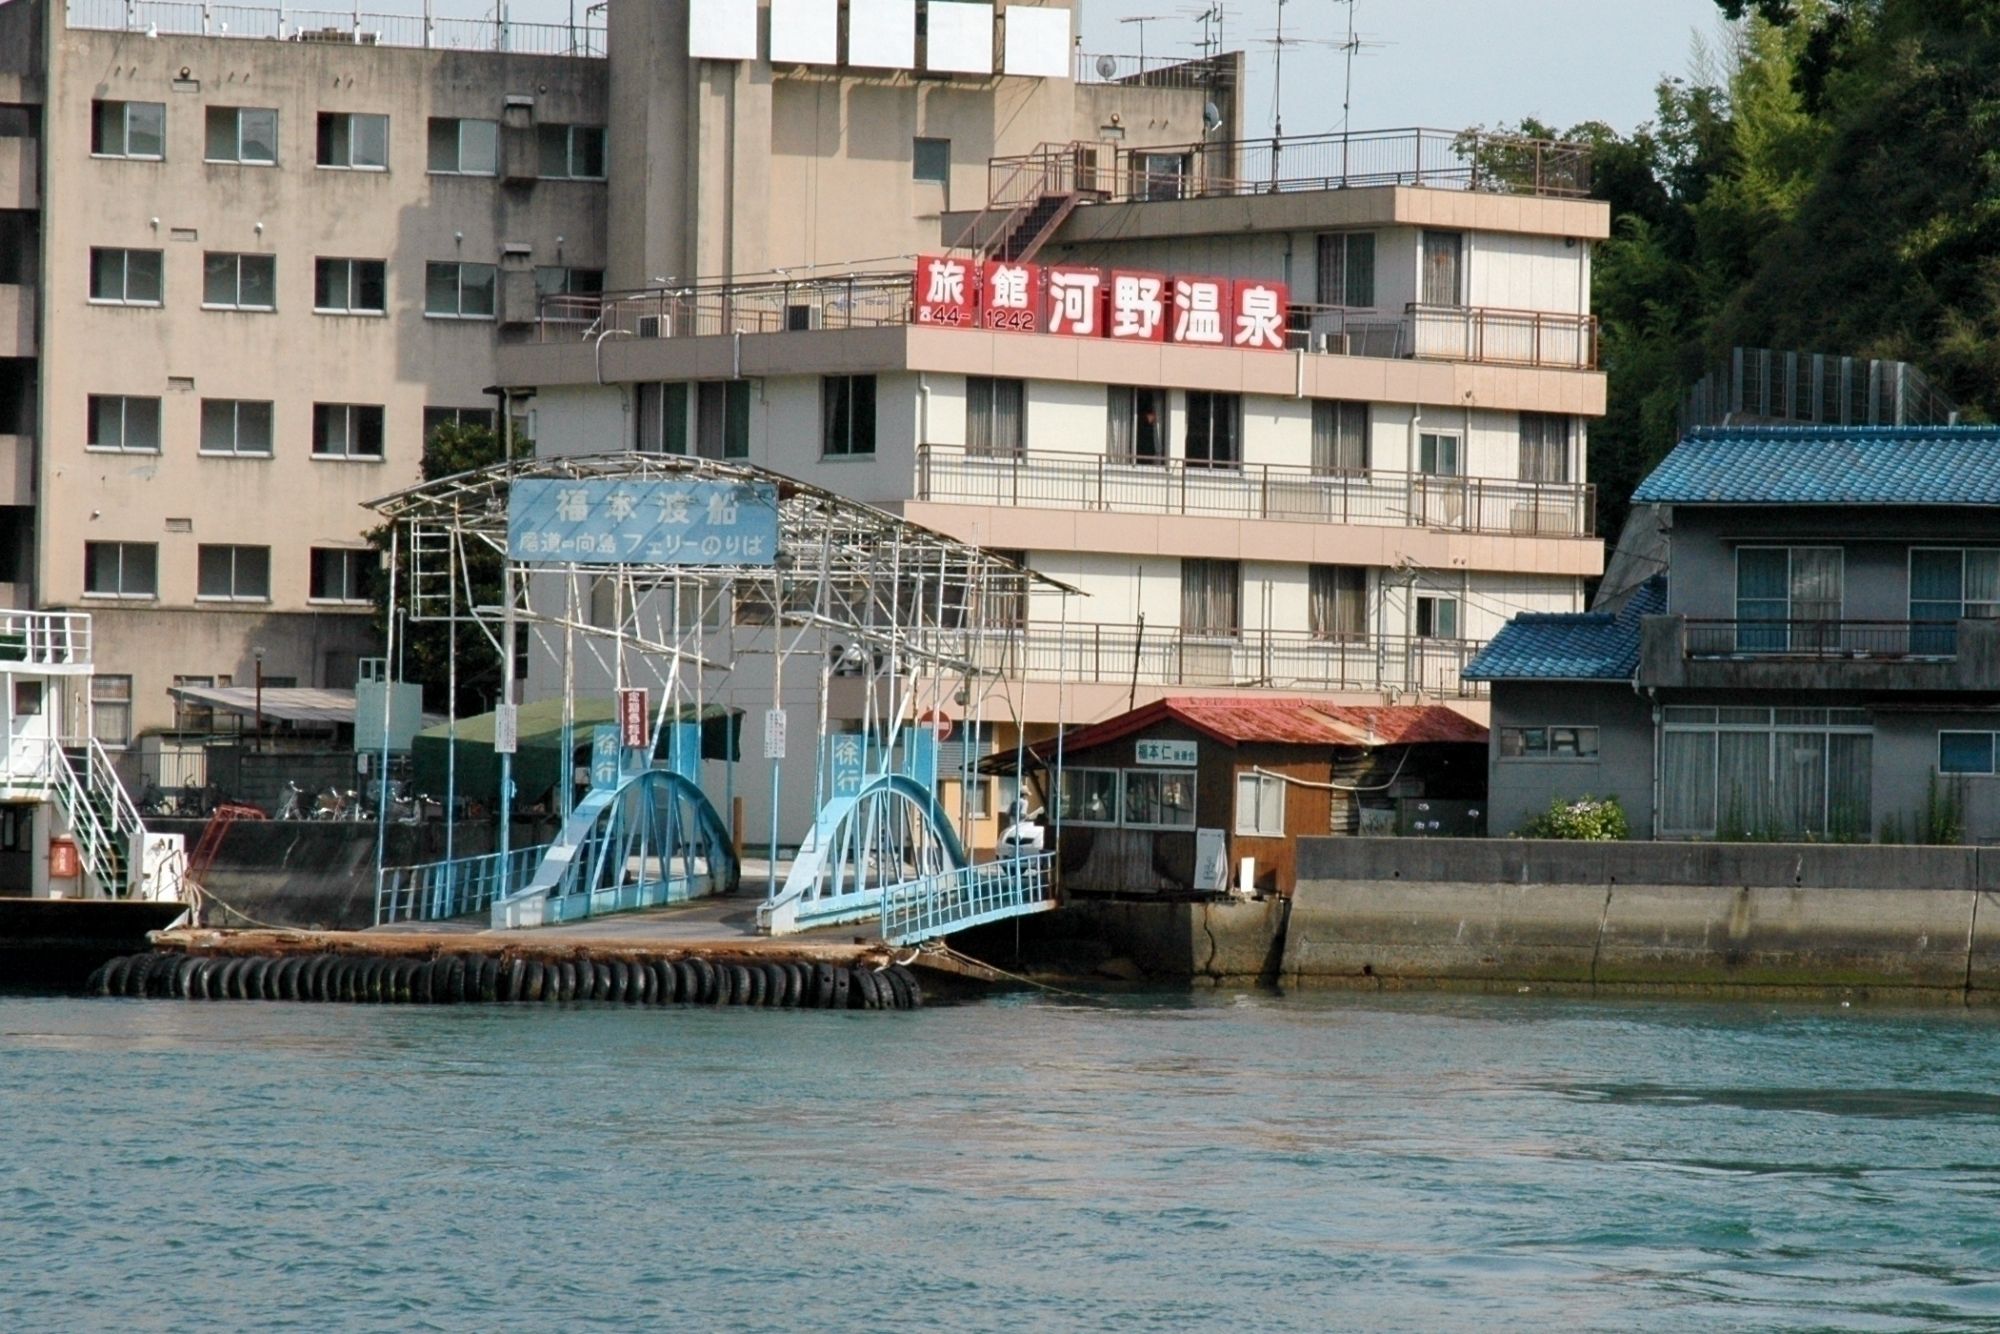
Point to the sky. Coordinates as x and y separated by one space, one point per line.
1447 64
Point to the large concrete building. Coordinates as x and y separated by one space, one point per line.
302 251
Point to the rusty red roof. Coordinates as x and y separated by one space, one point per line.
1296 720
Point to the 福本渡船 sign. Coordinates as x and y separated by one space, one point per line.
1124 305
1180 754
630 521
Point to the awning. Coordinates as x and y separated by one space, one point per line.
538 757
290 704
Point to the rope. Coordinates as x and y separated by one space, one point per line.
939 947
204 897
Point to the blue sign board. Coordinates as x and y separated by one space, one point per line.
850 762
614 521
604 759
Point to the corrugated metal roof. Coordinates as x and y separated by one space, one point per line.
1579 646
1829 465
292 704
1284 720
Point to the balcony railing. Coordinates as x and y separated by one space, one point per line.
45 641
1274 659
191 18
1821 639
1256 491
1435 159
1484 334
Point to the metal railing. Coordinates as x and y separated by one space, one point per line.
191 18
936 905
852 301
1153 71
438 891
1818 639
1256 491
1432 159
1488 335
44 640
1274 659
99 812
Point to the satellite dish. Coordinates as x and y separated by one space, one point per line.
1107 66
1211 118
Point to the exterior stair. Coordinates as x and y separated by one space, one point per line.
1033 231
100 815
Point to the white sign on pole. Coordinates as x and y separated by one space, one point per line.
774 734
506 729
1180 754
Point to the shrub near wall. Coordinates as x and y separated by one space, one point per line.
1588 819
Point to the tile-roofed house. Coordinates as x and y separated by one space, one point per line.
1844 465
1580 646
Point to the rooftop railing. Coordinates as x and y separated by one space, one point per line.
1821 639
1154 71
1284 492
282 23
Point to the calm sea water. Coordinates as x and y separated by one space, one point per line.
1241 1161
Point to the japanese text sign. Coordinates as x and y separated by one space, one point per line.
1128 305
1010 296
617 521
1178 753
946 292
633 723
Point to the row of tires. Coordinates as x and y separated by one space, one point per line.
456 979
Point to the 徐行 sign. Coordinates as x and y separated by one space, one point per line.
619 521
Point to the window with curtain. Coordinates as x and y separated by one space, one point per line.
1339 602
1766 773
722 419
1339 437
1214 425
662 418
993 413
1544 447
1946 584
1788 599
1211 597
1347 269
1135 425
1442 252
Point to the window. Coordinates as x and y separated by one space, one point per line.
1787 598
1766 773
1165 175
1437 454
347 431
1007 603
663 419
132 277
243 134
1544 447
1211 597
190 716
121 569
1260 805
1946 585
236 426
554 281
341 574
1088 796
1440 279
130 425
350 286
111 709
847 415
993 416
722 419
128 129
436 418
27 699
1339 438
1214 424
239 282
1159 798
459 291
1347 269
570 152
1339 598
1548 743
930 160
1437 618
352 141
234 574
1965 752
464 147
1135 432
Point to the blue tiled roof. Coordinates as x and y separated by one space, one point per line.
1576 646
1829 465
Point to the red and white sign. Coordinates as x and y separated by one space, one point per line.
1010 296
633 717
939 724
1075 300
947 291
1138 306
1260 314
1201 311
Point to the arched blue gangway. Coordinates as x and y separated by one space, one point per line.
893 831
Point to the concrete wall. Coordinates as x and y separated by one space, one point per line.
1778 919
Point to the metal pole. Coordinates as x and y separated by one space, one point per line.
777 682
388 685
506 805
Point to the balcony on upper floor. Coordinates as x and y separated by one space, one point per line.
1813 655
583 36
1259 491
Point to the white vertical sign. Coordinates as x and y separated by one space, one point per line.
506 729
774 734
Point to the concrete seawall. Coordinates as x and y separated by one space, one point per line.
1910 923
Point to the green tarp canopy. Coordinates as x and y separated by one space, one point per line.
538 757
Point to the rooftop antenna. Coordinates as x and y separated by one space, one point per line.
1278 42
1142 20
1209 16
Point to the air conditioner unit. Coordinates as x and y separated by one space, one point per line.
655 326
801 317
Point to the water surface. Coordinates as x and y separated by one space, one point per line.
1246 1161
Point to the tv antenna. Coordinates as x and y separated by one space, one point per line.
1142 20
1210 17
1352 45
1278 41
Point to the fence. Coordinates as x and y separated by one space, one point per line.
1257 491
437 891
854 301
190 18
1821 639
937 905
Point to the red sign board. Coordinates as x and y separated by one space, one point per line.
1260 314
1202 308
947 291
1010 296
1076 301
939 724
634 719
1139 306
